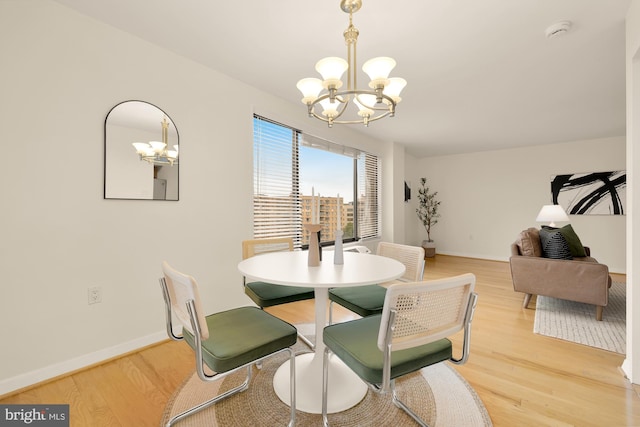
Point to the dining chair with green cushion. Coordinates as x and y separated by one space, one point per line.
368 300
268 294
410 334
224 342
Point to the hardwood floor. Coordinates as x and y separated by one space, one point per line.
523 379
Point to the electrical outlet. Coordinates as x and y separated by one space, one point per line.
95 295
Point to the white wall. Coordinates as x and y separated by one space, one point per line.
489 197
61 74
395 197
631 365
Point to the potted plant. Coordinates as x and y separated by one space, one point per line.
427 214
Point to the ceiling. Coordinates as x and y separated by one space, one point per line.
481 74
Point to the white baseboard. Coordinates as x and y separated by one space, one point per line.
470 255
626 369
30 378
614 269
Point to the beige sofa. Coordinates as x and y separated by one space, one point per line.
581 279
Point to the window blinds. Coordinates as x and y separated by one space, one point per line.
368 206
276 201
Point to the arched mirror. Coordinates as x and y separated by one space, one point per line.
141 153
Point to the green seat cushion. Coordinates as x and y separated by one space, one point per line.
242 335
356 344
363 300
268 294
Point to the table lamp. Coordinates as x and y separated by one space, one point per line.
552 213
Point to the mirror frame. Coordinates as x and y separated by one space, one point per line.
148 123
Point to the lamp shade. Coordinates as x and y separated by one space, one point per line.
332 68
551 214
310 89
366 101
330 109
395 86
141 147
157 146
378 69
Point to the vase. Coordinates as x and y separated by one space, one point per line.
314 244
429 248
338 255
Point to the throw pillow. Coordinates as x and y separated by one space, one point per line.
554 245
575 245
529 242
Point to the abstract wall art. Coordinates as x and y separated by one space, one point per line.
596 193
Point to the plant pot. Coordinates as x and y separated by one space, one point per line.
429 248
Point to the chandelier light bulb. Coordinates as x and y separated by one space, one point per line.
363 102
141 147
395 86
331 69
310 88
330 109
378 70
157 146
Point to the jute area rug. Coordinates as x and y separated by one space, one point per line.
576 322
438 394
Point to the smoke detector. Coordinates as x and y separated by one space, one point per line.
558 29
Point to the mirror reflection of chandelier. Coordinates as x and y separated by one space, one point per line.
374 104
156 152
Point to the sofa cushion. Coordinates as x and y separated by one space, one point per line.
575 245
529 242
554 245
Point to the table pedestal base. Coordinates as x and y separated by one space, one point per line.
346 389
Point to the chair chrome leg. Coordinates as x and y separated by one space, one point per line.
405 408
242 387
330 313
307 341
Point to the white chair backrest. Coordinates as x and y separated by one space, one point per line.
411 256
426 311
260 246
182 289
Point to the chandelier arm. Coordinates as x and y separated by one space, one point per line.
388 110
341 108
327 96
346 94
352 122
373 107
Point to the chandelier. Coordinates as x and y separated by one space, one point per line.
156 152
325 95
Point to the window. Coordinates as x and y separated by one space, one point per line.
289 166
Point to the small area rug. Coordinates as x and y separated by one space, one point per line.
438 394
576 322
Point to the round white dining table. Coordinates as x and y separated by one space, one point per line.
346 389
